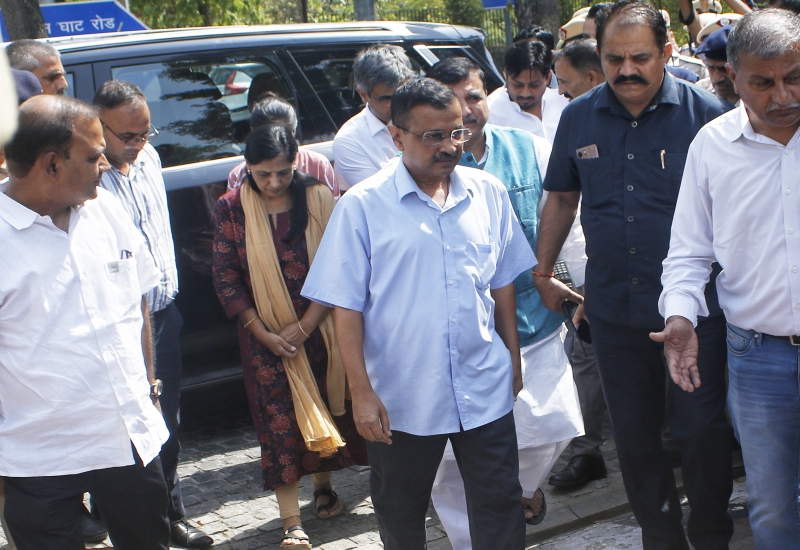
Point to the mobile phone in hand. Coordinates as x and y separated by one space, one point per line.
561 273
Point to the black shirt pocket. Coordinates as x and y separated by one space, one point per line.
597 181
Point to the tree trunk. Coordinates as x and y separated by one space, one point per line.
365 10
538 12
205 12
23 19
303 9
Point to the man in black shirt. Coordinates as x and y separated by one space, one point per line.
623 146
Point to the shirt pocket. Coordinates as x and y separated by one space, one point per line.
663 180
481 262
124 284
597 180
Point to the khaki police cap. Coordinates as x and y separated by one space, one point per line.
571 29
717 22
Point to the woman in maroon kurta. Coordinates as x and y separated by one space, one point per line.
284 456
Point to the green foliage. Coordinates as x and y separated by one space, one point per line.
322 11
160 14
465 12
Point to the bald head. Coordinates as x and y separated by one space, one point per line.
46 124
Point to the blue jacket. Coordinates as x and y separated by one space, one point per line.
512 159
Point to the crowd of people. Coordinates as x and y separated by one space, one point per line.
455 301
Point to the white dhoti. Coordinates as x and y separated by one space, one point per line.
547 415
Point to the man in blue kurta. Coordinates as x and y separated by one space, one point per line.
546 413
419 263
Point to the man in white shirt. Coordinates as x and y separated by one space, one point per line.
526 102
738 205
77 407
363 144
134 177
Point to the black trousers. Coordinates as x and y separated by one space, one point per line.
43 513
402 475
632 372
167 324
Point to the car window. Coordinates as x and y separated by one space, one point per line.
70 91
330 72
200 107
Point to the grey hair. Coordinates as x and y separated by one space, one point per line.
22 53
765 34
382 64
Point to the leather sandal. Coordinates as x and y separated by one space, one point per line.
538 518
302 544
333 498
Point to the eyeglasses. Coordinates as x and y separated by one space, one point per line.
382 99
144 138
458 136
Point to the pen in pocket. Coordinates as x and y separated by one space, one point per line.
663 154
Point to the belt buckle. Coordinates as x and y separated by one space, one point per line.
795 340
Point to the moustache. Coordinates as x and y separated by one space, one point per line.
445 156
779 107
565 94
631 78
470 120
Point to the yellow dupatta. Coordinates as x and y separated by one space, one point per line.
275 308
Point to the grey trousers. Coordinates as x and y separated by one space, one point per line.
590 395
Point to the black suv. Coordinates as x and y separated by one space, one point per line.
196 82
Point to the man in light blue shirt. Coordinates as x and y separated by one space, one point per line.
546 413
419 263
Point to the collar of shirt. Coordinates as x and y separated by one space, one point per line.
518 109
743 128
133 168
468 159
459 189
374 124
18 216
666 94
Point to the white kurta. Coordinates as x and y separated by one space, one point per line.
547 414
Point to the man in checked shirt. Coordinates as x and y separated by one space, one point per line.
135 178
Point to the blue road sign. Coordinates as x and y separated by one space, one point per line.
74 18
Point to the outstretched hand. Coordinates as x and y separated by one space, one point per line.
680 349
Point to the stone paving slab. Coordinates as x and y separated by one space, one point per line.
623 533
221 483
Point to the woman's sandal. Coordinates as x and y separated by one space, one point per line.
303 543
333 498
538 518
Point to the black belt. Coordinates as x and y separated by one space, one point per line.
794 340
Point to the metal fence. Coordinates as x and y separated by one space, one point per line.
500 24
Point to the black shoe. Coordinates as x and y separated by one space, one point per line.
183 534
93 529
581 469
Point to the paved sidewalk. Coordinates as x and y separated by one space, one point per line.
221 481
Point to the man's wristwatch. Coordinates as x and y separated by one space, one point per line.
156 388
